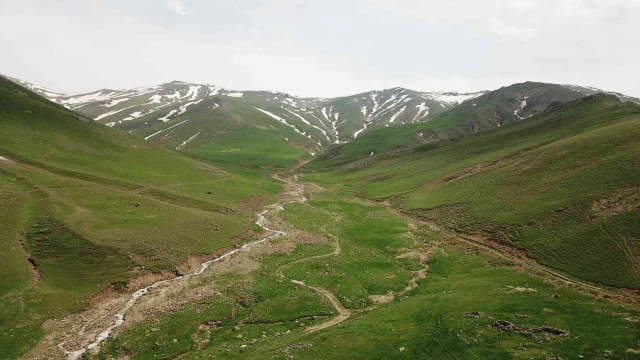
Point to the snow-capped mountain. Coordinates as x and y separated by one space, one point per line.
193 117
316 122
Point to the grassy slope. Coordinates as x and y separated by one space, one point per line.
68 203
233 133
531 184
428 322
482 113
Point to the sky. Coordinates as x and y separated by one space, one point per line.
322 48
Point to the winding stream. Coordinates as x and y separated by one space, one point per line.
293 188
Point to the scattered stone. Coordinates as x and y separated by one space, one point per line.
243 348
556 296
209 192
326 272
296 346
138 205
239 337
401 349
474 314
504 326
236 328
528 332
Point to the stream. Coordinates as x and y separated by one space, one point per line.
294 191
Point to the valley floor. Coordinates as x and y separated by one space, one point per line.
348 278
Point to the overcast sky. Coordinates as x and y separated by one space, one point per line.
322 47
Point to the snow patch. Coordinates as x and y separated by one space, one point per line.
523 103
184 107
450 98
170 127
190 139
213 90
283 121
115 102
112 112
423 111
155 99
234 94
308 123
395 116
166 117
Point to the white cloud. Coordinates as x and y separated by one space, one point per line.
308 49
178 7
512 32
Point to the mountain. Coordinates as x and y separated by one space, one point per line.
561 186
230 126
85 208
588 90
274 129
493 109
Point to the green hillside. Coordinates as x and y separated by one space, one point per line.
85 207
487 111
562 185
417 251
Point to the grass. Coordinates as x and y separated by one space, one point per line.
424 323
234 133
92 207
530 184
483 113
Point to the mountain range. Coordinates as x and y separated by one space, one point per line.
205 120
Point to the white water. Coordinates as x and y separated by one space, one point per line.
120 315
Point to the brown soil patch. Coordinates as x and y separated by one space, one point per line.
618 203
193 262
34 270
382 299
252 204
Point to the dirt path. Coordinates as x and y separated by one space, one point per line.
293 192
524 263
343 313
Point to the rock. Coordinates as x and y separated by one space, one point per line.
209 192
236 328
401 349
243 348
556 296
239 337
138 205
504 326
474 314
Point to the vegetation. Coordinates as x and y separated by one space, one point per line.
379 255
486 112
549 185
85 207
417 251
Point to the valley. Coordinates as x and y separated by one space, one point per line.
204 222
